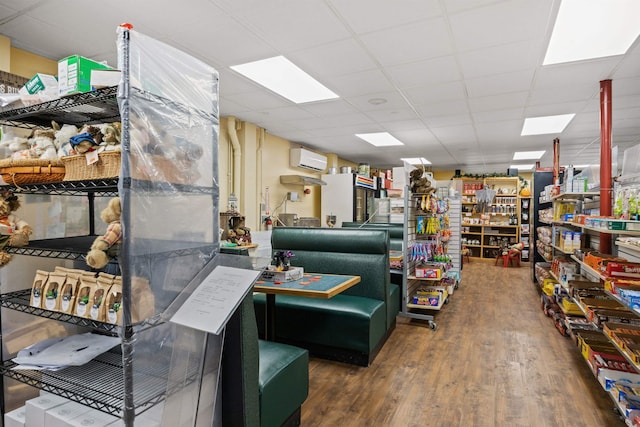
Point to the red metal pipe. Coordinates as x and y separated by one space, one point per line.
606 188
556 161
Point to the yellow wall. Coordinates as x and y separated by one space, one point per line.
27 64
5 54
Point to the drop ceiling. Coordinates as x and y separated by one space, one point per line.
452 79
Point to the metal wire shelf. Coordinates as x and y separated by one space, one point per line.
99 384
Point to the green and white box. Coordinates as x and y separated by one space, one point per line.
74 74
40 83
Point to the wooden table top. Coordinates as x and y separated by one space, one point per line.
312 285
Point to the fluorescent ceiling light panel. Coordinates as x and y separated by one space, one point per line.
587 29
283 77
522 167
528 155
379 139
545 125
416 160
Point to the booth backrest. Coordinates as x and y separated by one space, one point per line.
363 253
396 231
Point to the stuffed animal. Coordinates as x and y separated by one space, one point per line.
420 184
13 230
107 246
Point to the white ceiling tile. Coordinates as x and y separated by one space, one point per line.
261 100
393 101
584 72
454 133
515 100
393 115
553 109
329 107
443 109
294 25
491 25
403 125
383 14
564 94
498 115
360 84
335 121
332 59
410 43
500 83
499 59
230 107
431 71
443 92
447 121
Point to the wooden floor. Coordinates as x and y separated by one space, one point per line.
495 360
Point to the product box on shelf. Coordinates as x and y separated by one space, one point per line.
40 83
429 272
629 270
598 261
37 407
60 416
15 418
74 74
93 418
432 298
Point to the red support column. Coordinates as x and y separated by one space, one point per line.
606 188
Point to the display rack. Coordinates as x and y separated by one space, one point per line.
157 361
439 289
486 233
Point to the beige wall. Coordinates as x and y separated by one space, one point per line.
5 54
27 64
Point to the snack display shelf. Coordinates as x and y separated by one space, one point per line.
588 268
427 279
618 405
107 187
574 197
628 246
629 359
438 307
559 249
542 255
105 389
621 301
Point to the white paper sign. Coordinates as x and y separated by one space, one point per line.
212 303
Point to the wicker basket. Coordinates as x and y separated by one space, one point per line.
107 166
31 171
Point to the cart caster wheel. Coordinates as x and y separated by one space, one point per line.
433 325
446 301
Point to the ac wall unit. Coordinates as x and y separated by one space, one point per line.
306 159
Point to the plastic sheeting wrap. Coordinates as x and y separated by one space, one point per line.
169 192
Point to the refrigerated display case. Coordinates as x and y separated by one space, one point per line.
348 197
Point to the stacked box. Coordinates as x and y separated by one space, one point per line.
74 74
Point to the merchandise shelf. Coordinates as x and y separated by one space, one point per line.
557 248
587 268
623 352
621 301
20 301
75 248
628 246
426 279
107 187
574 197
617 404
105 390
85 108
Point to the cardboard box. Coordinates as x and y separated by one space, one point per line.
37 407
61 416
15 418
74 74
40 83
93 418
105 78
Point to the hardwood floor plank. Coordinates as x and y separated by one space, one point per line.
495 360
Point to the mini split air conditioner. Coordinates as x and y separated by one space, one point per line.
302 158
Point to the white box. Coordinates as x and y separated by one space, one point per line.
93 418
105 78
37 407
61 416
15 418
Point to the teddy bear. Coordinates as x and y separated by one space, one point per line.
13 230
419 183
107 246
